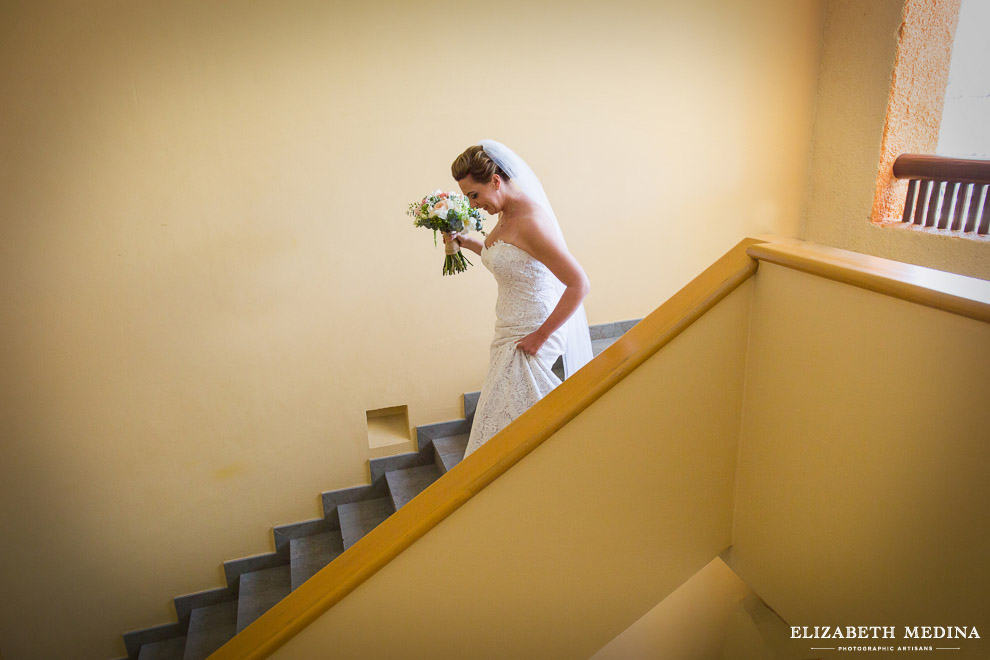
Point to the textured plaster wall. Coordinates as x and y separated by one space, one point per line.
206 276
859 52
917 94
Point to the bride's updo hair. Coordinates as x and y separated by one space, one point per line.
476 163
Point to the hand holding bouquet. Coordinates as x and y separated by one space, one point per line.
452 214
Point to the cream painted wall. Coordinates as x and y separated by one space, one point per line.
859 48
206 274
862 496
583 536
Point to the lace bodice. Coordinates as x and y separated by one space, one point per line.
527 290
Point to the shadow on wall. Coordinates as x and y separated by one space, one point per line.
712 615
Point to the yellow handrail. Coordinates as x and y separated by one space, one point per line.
341 576
957 294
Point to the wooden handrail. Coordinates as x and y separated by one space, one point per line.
949 292
937 168
425 511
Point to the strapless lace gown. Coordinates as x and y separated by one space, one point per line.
527 293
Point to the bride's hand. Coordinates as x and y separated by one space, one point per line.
532 343
464 241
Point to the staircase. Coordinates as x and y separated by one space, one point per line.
208 619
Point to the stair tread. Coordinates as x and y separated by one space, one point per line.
209 629
385 464
612 330
167 649
259 591
599 345
308 554
359 518
451 450
410 482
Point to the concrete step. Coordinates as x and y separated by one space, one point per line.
450 451
260 591
379 466
210 628
612 330
359 518
599 345
309 554
233 569
169 649
135 639
407 484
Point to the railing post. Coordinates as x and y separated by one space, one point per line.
945 193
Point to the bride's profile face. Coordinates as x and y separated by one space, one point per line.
485 196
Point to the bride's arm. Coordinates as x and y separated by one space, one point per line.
466 241
536 238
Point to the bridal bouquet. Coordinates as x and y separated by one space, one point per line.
450 213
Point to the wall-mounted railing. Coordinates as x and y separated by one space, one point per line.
946 193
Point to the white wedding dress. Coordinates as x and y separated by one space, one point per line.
527 293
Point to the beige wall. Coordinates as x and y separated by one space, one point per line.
862 495
207 277
583 536
859 48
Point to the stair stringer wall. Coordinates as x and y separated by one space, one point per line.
863 496
584 535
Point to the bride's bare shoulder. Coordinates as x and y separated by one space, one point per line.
535 232
534 218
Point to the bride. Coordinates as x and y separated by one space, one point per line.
541 286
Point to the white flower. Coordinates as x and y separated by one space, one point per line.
439 210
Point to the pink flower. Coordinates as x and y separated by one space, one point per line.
440 209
